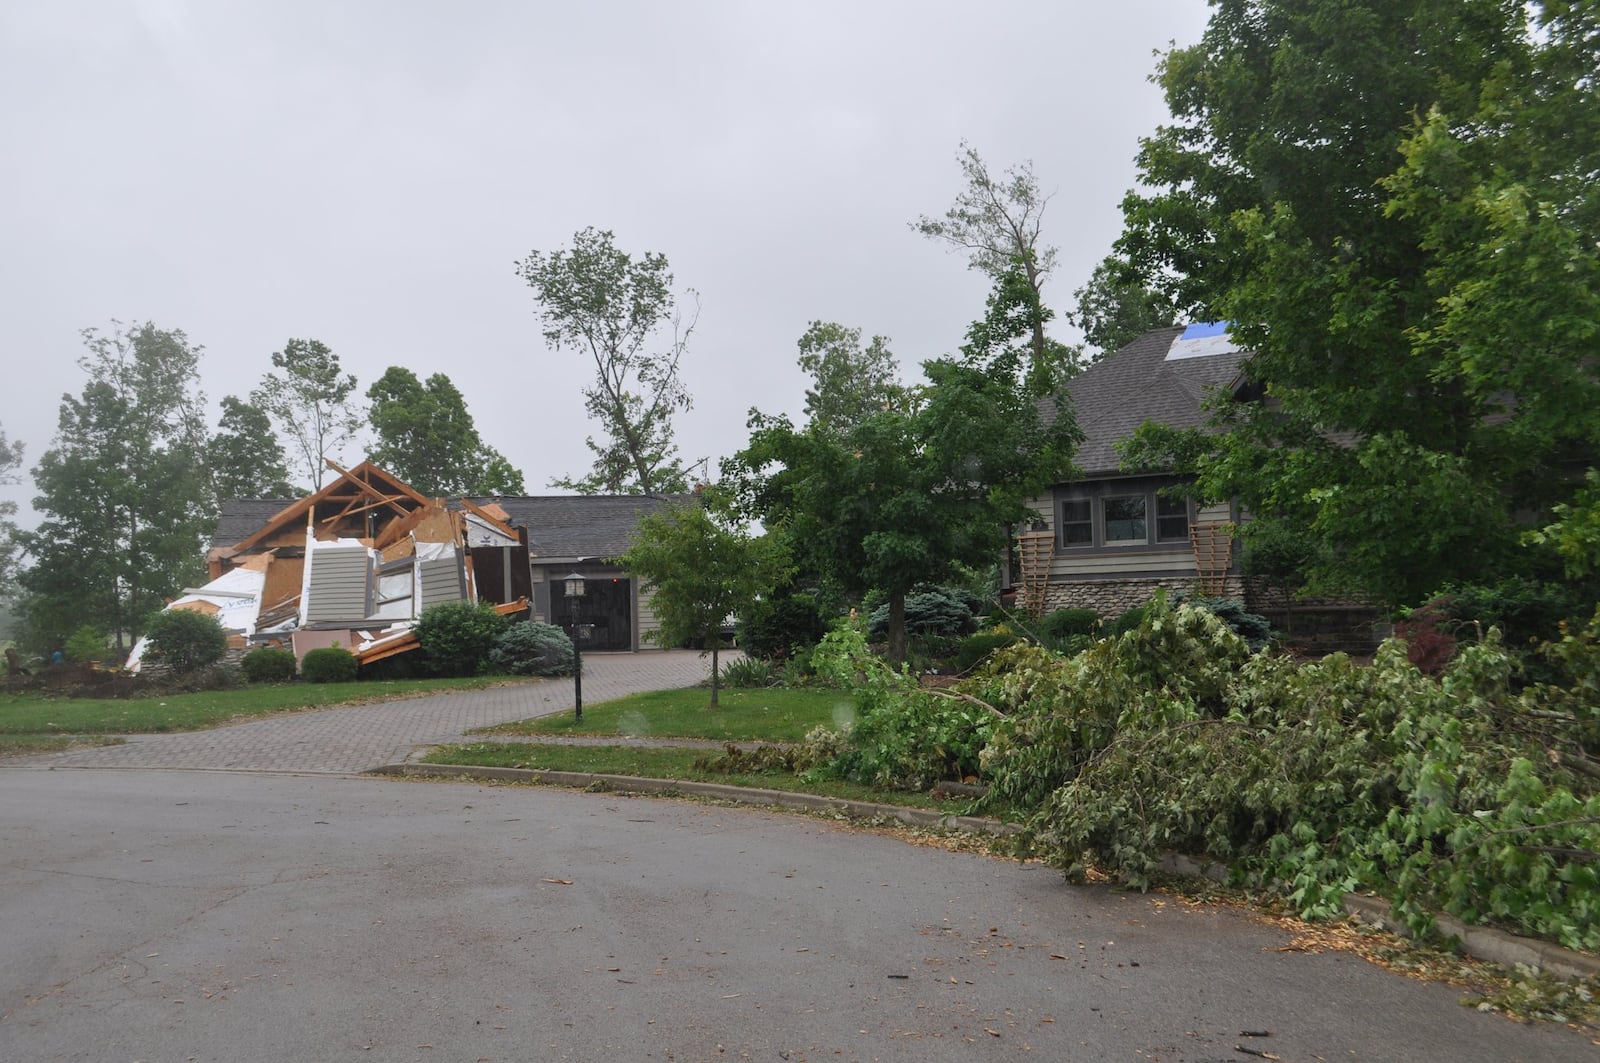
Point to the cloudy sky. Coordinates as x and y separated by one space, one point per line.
366 173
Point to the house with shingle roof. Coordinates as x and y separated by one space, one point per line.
1109 539
355 563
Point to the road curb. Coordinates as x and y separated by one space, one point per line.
1484 943
749 795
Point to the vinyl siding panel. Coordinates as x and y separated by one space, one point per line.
339 584
1067 565
440 582
648 621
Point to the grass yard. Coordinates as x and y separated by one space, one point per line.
42 715
658 764
776 715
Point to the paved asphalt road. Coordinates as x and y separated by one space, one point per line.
252 916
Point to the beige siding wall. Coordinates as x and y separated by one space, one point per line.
1069 565
647 621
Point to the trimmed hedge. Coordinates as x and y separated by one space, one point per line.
269 664
330 664
185 640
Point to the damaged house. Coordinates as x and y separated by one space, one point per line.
357 562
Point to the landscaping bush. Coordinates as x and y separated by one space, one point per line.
330 664
781 627
974 648
269 664
929 611
458 637
1254 628
185 640
532 648
88 643
1129 620
1063 623
750 673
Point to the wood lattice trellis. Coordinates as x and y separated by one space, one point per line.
1213 554
1034 553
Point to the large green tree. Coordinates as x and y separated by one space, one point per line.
311 399
1393 203
1116 307
849 382
244 459
122 490
426 437
702 568
913 492
621 313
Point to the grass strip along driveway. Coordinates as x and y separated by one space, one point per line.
33 722
636 736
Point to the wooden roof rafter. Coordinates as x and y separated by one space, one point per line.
368 478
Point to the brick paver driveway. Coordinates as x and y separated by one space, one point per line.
359 737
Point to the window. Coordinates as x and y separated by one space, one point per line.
1129 514
1172 519
1124 519
1077 522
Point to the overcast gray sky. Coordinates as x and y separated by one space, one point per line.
366 174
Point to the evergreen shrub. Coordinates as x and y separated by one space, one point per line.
268 664
185 640
329 664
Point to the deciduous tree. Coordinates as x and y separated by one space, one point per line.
244 458
10 462
122 489
1115 307
621 313
426 437
309 397
997 222
1393 203
702 569
849 383
912 492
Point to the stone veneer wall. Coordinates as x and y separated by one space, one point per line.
1113 597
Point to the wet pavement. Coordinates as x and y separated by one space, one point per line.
356 738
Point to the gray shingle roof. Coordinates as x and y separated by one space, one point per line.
580 525
1137 384
243 517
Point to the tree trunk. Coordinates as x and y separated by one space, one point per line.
716 677
897 628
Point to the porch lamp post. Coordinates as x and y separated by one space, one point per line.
574 592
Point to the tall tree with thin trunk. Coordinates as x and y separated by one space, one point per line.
620 312
997 221
309 397
123 488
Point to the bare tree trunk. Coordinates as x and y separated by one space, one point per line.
716 676
897 628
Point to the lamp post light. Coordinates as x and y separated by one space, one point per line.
574 591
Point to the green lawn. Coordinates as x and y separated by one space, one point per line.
40 714
777 715
660 764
